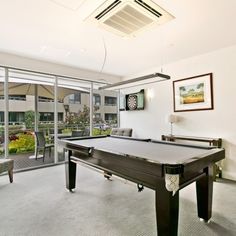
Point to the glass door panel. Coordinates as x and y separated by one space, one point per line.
105 111
73 109
31 99
2 105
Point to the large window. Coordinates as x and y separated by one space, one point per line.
15 97
25 89
96 100
75 98
75 95
49 116
110 101
45 99
109 117
105 114
2 101
46 116
16 117
1 118
33 101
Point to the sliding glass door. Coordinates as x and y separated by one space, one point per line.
31 99
2 113
52 106
105 111
74 107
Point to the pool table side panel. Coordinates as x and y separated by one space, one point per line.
133 169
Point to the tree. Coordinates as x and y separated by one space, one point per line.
82 117
29 119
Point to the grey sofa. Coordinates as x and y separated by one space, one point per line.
122 131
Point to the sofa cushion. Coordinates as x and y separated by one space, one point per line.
122 132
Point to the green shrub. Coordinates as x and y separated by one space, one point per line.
30 119
97 132
12 150
66 131
1 150
24 143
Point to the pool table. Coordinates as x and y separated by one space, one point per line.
165 167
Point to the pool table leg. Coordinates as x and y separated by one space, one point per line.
70 171
167 211
204 189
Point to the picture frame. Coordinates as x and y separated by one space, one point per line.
193 93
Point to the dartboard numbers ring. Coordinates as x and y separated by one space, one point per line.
132 102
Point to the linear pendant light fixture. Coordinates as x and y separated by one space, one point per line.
146 79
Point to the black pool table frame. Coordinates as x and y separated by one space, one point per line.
151 175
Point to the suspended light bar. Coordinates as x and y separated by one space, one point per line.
146 79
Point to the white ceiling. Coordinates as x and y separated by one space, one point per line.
55 30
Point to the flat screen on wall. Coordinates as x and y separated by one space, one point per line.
135 101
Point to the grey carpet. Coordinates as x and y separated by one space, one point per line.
37 203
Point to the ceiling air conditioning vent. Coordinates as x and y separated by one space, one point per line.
128 17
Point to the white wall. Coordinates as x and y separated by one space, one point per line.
21 62
219 122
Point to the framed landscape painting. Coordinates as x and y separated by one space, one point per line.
193 94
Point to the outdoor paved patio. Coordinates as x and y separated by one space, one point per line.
23 161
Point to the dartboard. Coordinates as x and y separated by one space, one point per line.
132 102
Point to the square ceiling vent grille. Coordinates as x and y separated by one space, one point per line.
128 17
